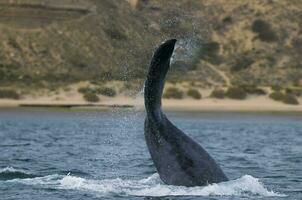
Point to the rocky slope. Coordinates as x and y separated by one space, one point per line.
221 42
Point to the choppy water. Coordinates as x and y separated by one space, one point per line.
102 155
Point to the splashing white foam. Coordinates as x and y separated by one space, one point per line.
11 169
151 186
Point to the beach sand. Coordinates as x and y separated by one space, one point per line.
251 104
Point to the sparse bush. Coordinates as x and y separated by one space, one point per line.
290 99
9 94
115 33
128 85
276 88
210 49
277 96
251 89
271 59
260 26
242 63
236 93
91 97
75 57
106 91
195 94
297 43
227 20
192 83
173 93
89 94
285 98
297 92
84 90
14 43
66 89
269 36
264 30
288 91
218 94
294 91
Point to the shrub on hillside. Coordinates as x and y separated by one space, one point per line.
115 33
211 48
242 63
277 96
9 94
260 26
294 91
210 52
264 30
269 36
173 93
91 97
276 88
84 90
12 42
285 98
195 94
236 93
218 94
89 94
290 99
106 91
251 89
227 20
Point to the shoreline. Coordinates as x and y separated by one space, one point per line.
254 104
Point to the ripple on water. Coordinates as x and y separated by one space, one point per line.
10 173
97 148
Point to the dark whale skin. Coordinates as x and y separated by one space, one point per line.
179 160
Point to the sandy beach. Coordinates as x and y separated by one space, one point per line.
251 104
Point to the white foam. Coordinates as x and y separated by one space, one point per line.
11 169
49 181
152 186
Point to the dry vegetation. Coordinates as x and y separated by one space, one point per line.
225 42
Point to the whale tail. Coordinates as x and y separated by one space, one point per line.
179 160
155 81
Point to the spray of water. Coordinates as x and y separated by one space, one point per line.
246 186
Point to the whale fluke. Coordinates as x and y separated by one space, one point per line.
179 160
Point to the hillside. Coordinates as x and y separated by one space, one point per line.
55 42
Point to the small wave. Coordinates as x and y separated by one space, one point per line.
15 145
9 173
75 172
152 186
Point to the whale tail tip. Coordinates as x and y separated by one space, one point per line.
165 50
158 69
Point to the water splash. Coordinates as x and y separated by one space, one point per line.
10 169
185 50
151 186
9 173
139 100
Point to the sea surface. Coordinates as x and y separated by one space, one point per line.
57 154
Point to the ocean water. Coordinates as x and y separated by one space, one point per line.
49 155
